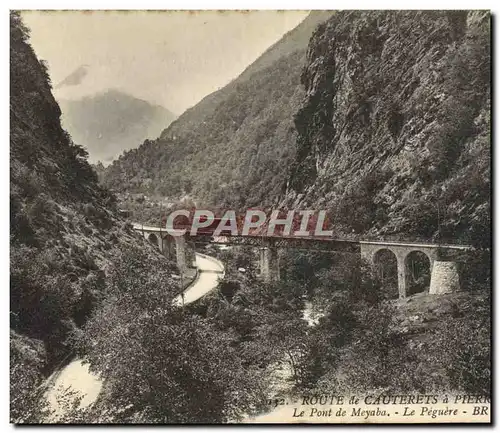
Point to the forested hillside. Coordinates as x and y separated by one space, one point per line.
64 235
234 147
109 123
384 121
394 132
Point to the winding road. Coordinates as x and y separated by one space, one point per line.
210 270
76 374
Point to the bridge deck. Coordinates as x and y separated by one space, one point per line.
322 242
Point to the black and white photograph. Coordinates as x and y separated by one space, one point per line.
250 216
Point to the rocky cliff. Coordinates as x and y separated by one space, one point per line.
394 130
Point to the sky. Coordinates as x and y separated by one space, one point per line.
170 58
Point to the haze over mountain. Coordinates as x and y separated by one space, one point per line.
169 58
111 122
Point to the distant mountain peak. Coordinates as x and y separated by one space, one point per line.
112 121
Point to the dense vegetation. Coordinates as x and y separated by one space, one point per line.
75 265
374 145
82 284
62 235
54 197
162 364
363 340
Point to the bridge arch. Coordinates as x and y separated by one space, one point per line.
405 255
418 266
385 265
421 251
153 239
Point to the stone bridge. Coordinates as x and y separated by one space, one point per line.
442 259
442 262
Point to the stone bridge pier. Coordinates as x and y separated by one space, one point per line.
444 274
269 262
185 252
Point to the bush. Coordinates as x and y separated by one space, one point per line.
379 359
475 273
27 402
324 342
41 298
20 228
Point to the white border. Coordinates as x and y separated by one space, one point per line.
256 4
187 5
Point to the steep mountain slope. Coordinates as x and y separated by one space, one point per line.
234 147
394 132
111 122
64 234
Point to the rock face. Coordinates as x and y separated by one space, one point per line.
393 133
444 278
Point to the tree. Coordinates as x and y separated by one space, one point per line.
162 364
